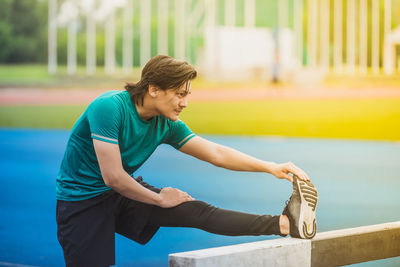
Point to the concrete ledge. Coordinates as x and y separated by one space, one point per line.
331 248
355 245
278 252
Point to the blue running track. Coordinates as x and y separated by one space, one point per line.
358 183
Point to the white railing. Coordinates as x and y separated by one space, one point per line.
346 20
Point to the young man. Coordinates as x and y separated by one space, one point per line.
97 195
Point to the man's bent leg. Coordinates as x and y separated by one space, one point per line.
198 214
86 231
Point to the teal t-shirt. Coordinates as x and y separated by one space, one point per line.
113 118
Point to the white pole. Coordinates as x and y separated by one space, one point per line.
249 13
198 12
230 12
398 65
127 49
210 13
351 41
162 27
145 42
324 34
389 55
212 64
90 43
52 39
188 30
298 29
179 29
375 37
390 60
71 56
388 17
283 14
312 34
109 60
338 36
363 36
194 27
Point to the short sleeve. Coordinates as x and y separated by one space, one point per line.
104 118
178 134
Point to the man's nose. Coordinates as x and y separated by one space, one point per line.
184 102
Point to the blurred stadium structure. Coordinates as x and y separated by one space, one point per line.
305 36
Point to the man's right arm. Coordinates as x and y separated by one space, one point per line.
115 177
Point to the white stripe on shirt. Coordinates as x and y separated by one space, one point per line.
103 137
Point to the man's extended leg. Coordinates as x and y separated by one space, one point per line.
201 215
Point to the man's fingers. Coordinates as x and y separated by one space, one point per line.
301 174
173 197
186 196
297 171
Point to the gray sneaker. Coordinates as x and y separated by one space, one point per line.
300 209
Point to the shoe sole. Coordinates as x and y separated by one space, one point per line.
309 198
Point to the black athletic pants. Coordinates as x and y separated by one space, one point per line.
86 229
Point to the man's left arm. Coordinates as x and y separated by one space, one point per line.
229 158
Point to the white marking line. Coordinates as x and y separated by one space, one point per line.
2 263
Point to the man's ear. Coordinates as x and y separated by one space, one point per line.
153 90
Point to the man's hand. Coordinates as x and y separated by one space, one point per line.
282 171
171 197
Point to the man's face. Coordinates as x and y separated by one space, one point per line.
171 102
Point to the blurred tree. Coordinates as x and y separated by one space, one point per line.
5 41
23 31
5 29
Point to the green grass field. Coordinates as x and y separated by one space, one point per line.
36 76
349 119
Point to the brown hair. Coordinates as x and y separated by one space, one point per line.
164 72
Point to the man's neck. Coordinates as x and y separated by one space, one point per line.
146 111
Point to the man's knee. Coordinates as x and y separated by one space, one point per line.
195 205
198 210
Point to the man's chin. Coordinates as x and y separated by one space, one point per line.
173 117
